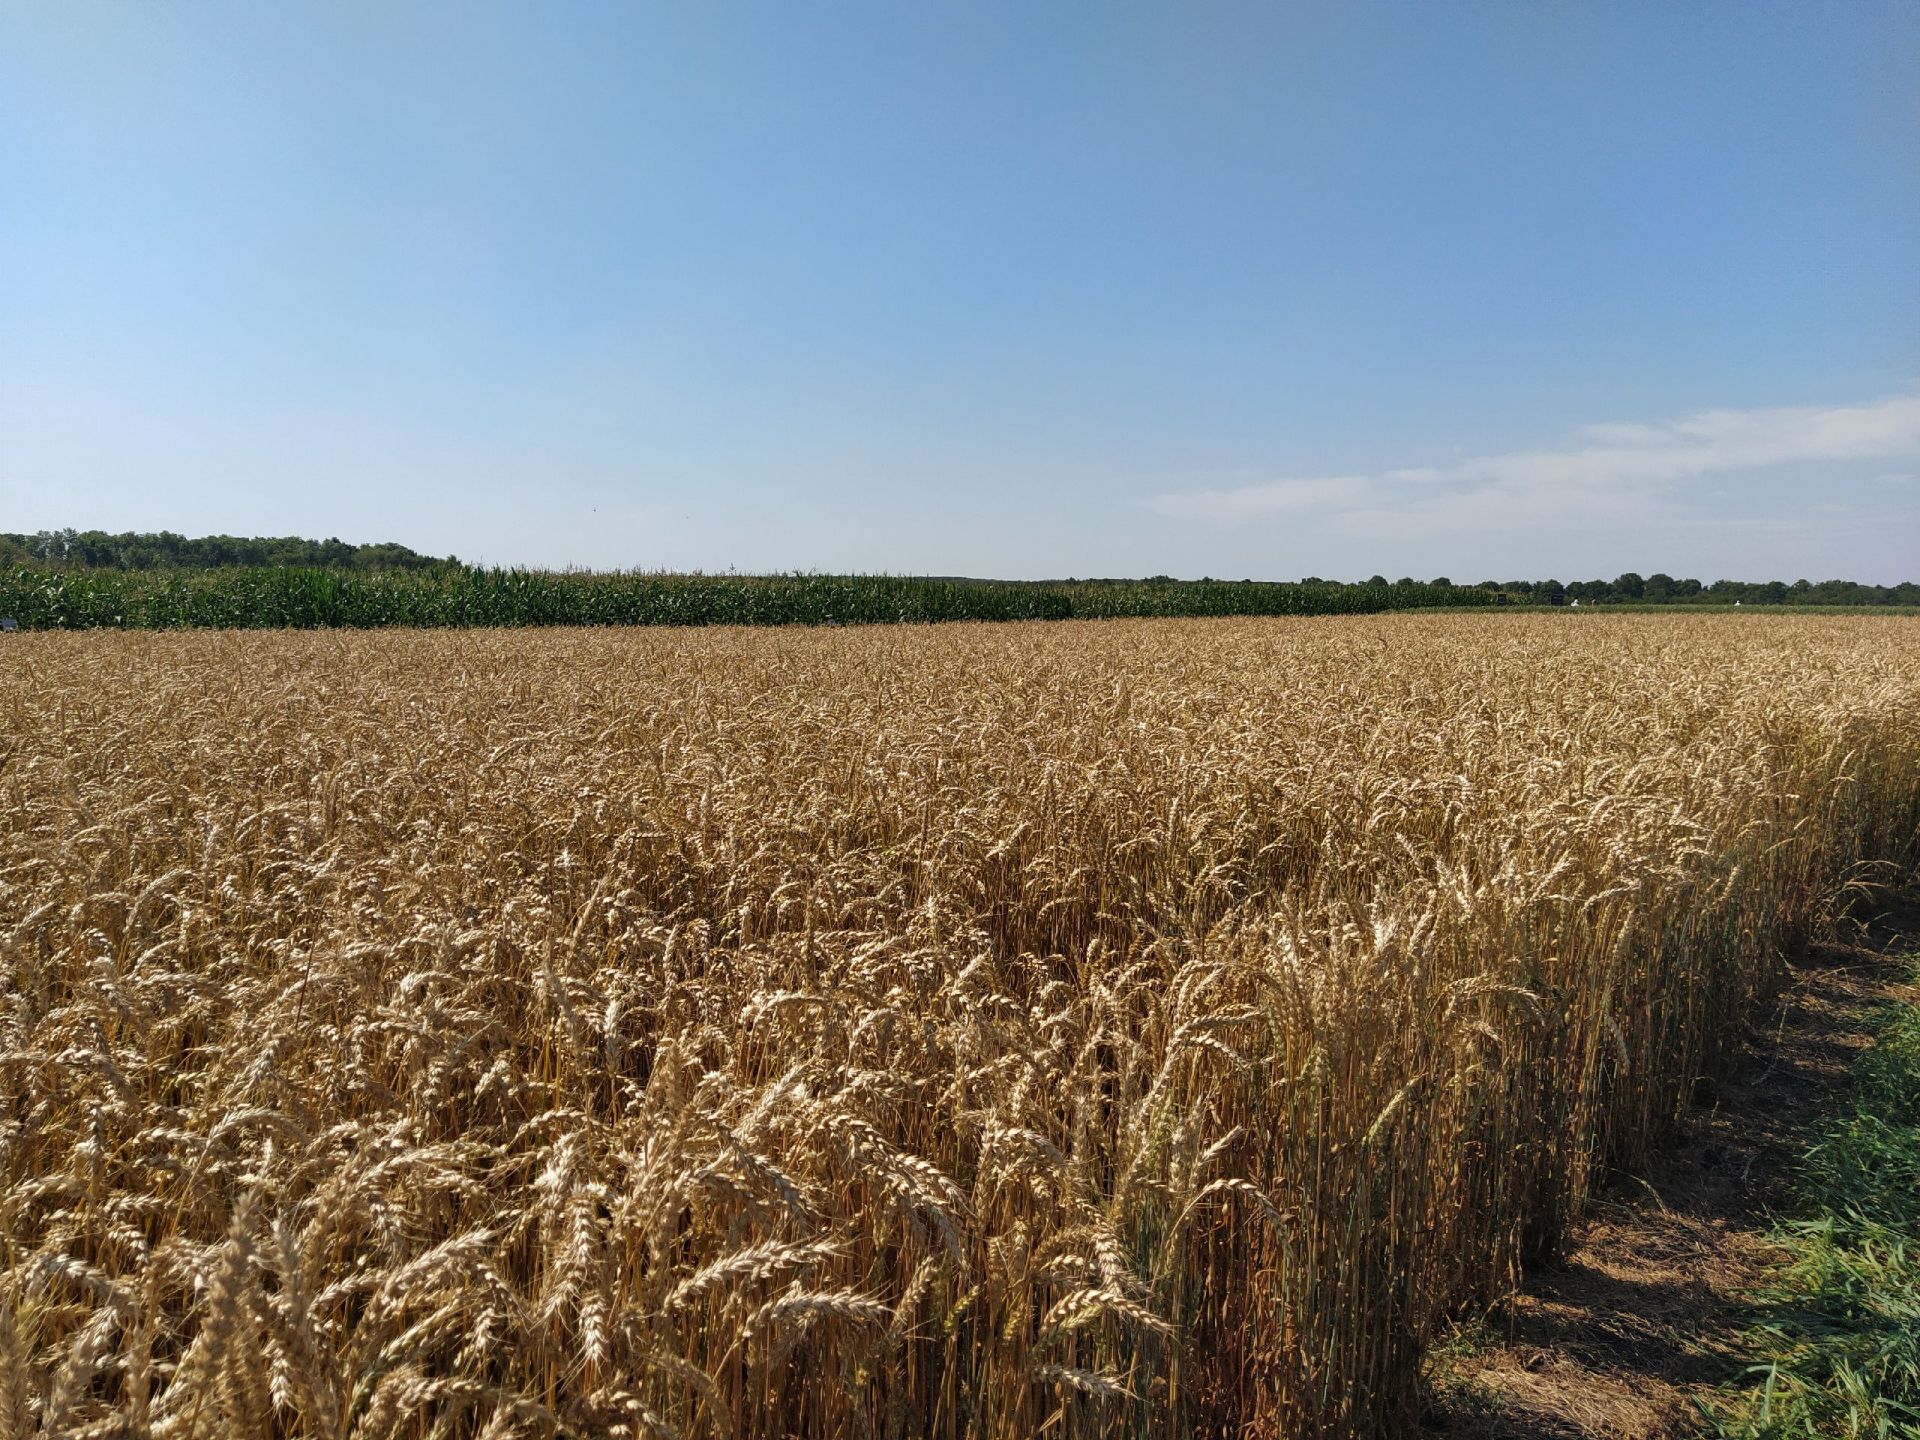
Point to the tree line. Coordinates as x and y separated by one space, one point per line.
1658 589
164 550
97 550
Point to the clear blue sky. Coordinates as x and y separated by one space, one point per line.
1493 290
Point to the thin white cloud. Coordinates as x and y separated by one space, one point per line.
1274 497
1614 474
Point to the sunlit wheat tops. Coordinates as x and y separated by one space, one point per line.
1151 1027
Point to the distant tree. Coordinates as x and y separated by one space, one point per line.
1630 586
1378 581
1442 583
98 550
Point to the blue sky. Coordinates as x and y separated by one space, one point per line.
1492 290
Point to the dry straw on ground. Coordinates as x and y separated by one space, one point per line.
1149 1027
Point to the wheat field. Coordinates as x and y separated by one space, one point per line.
1092 1029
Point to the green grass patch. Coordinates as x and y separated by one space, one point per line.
1838 1340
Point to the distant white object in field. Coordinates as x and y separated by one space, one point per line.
1575 604
1736 604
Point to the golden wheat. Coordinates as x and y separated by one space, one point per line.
1142 1027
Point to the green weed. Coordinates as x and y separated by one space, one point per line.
1840 1334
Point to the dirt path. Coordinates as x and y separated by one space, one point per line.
1646 1311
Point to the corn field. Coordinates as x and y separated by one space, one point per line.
1098 1029
459 596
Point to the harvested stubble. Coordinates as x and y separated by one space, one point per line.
1146 1027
